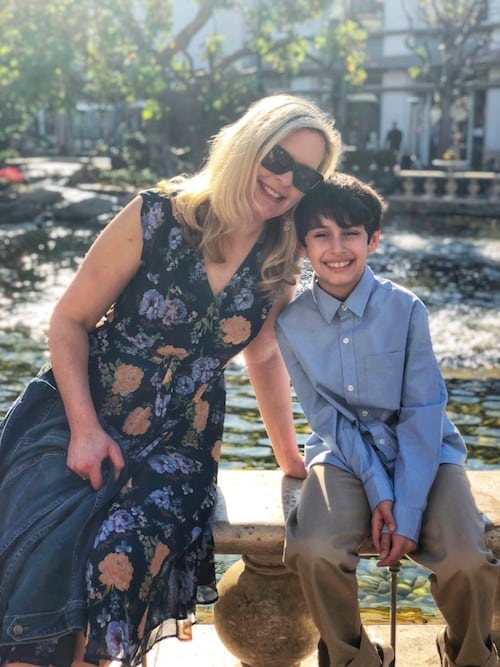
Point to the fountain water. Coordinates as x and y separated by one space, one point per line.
453 266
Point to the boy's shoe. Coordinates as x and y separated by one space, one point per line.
384 650
323 657
446 661
442 648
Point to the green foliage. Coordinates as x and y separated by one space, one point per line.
38 60
130 178
448 37
56 53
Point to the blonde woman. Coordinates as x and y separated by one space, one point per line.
109 458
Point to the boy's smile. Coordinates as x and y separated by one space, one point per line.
338 255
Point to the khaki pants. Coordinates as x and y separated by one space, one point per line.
323 535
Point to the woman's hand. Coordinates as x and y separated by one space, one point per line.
88 450
294 468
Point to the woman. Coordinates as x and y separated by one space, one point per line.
109 458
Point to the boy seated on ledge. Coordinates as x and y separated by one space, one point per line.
383 458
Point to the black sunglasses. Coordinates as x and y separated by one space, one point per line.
279 161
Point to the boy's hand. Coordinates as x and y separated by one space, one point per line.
394 548
390 546
382 517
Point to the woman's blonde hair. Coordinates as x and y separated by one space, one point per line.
219 198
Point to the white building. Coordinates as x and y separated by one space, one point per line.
390 94
363 115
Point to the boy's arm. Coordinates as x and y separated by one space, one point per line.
420 427
339 434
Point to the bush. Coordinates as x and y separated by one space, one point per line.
135 151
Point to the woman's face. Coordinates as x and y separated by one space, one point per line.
276 194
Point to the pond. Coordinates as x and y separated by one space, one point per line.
453 265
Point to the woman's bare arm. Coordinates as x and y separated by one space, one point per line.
109 265
271 384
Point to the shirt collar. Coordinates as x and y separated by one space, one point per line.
356 301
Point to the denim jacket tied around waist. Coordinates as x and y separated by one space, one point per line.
48 519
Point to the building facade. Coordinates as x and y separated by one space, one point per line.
389 98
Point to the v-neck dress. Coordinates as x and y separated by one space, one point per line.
156 370
157 377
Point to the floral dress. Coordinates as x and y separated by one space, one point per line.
156 372
157 376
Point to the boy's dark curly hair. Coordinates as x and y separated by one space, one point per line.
344 199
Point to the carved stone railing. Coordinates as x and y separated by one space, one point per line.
483 185
446 191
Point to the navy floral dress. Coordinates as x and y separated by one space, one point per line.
157 376
156 371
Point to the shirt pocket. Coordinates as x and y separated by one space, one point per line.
384 379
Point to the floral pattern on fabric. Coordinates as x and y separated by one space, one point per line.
157 377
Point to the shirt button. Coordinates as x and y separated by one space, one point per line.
18 629
381 441
343 307
350 387
364 413
345 340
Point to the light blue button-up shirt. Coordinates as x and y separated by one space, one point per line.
370 387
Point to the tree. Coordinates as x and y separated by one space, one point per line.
38 62
110 52
450 39
184 102
340 58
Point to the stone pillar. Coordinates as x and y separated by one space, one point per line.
261 616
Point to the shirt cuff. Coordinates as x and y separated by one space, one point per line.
378 489
408 521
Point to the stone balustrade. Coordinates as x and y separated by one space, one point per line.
448 191
450 183
261 616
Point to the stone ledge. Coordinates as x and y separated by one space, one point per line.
261 616
416 647
252 506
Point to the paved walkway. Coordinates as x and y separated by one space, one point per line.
415 648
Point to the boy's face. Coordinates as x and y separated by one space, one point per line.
338 256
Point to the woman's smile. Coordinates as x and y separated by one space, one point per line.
275 194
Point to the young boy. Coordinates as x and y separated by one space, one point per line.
383 457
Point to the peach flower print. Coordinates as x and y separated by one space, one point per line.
216 450
200 415
167 378
161 552
199 392
116 570
142 625
171 351
236 329
127 379
138 421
